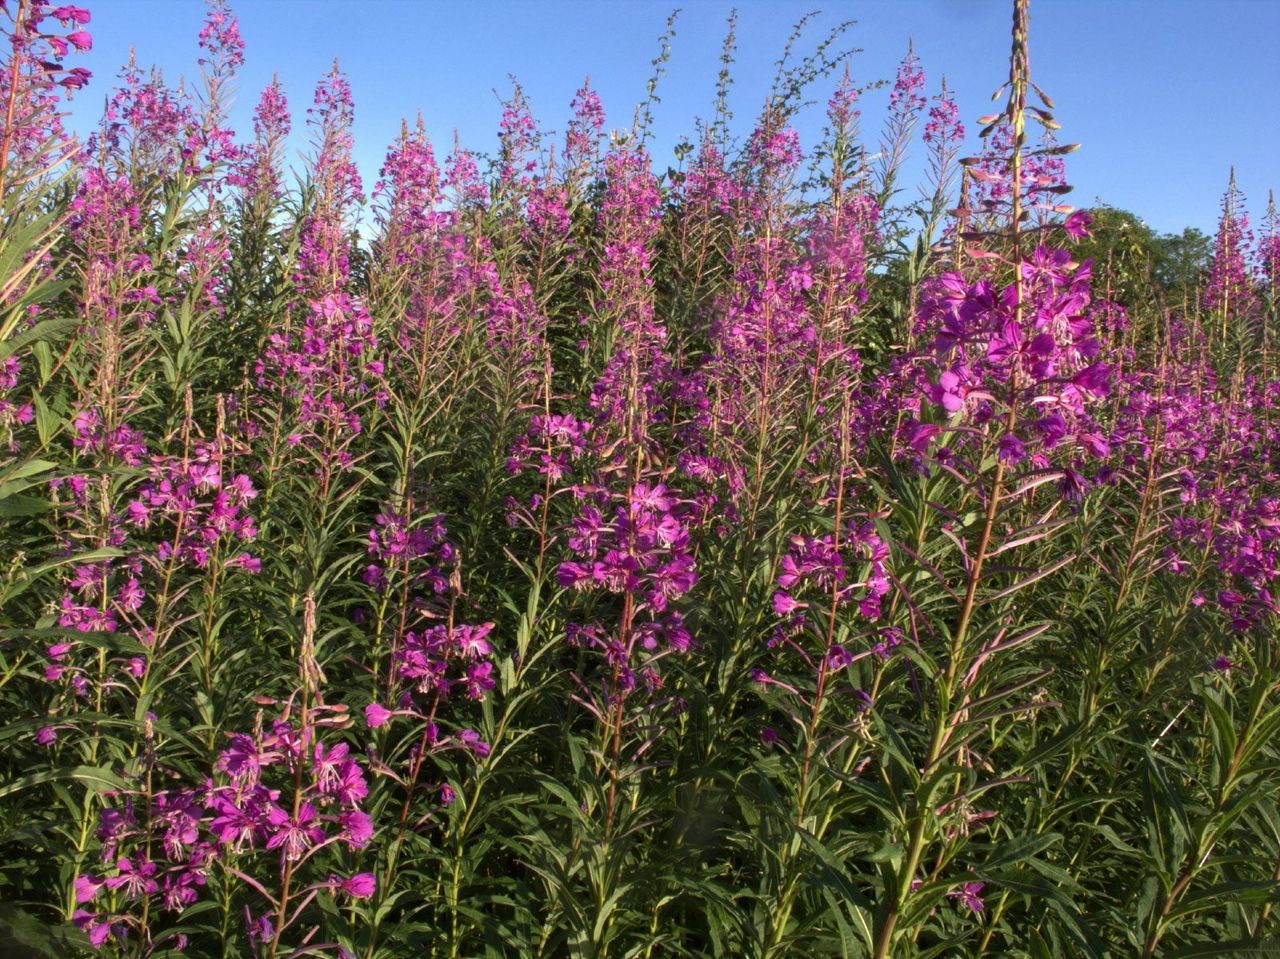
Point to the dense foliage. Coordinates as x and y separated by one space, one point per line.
573 558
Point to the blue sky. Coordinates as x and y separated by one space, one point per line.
1164 95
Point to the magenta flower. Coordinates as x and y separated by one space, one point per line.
293 834
235 822
357 828
87 888
136 879
970 896
1076 226
360 886
472 642
479 680
241 760
93 925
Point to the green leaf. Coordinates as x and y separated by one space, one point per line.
42 332
95 778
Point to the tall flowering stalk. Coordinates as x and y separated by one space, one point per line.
943 137
1228 293
906 104
1269 271
762 325
627 535
829 585
321 372
257 281
1018 362
32 84
840 236
34 148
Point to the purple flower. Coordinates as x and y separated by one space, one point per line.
1076 226
479 680
472 642
293 834
135 879
236 820
357 828
470 739
360 886
93 926
1011 450
241 760
838 657
970 896
87 888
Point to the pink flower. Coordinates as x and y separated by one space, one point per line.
241 760
947 393
970 896
250 564
838 657
135 880
357 828
479 681
87 889
784 604
1076 226
93 927
470 739
471 640
293 835
359 886
1011 450
130 595
376 715
69 14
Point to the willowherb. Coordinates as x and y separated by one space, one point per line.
596 551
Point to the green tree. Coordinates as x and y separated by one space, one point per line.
1132 262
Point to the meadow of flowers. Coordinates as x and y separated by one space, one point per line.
557 552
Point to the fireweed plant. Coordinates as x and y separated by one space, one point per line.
557 551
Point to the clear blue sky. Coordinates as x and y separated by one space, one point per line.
1164 95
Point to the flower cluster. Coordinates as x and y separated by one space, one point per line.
328 370
33 81
324 252
257 173
393 541
188 514
148 128
1228 291
636 544
1023 356
281 791
820 574
582 137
